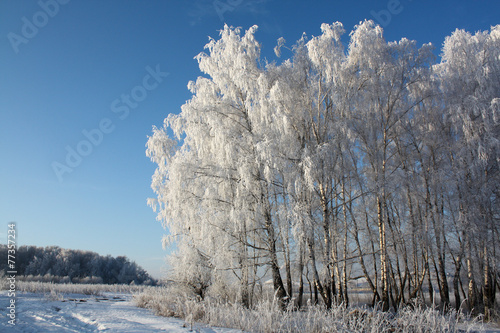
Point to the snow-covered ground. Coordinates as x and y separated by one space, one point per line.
113 312
84 313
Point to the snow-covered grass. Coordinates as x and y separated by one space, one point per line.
87 308
267 316
75 288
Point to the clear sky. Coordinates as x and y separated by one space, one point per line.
82 82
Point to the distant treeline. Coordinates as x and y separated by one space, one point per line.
75 266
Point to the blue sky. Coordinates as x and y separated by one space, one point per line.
92 78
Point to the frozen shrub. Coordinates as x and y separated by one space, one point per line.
267 316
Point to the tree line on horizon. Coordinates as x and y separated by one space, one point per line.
370 162
54 264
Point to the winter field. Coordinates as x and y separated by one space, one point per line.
45 307
48 307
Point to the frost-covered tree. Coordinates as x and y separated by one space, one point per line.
367 161
387 79
213 190
470 78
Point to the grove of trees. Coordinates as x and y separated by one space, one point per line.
372 162
53 264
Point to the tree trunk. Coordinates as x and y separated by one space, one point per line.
279 288
329 253
419 283
301 279
444 292
245 296
344 271
383 256
288 270
317 283
472 300
429 282
488 286
456 281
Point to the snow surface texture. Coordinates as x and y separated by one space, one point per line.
83 313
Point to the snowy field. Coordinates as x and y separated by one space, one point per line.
112 312
118 312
